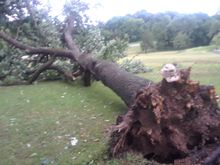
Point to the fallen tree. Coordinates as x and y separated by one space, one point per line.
167 121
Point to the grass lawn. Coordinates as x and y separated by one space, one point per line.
40 123
205 64
37 123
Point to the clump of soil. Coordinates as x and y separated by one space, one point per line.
177 122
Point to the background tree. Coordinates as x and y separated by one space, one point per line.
216 39
181 41
199 27
147 42
214 26
125 26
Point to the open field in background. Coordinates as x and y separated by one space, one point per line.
204 62
39 122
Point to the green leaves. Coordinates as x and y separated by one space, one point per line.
182 41
114 49
163 31
31 25
92 40
135 66
125 26
216 40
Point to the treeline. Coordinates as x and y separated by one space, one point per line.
165 31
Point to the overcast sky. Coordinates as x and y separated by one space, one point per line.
105 9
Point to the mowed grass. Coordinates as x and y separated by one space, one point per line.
38 122
205 64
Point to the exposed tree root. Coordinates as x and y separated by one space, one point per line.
213 157
169 121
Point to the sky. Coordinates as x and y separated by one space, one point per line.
103 10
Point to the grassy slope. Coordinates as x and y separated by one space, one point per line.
37 121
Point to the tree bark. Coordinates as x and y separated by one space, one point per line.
123 83
40 70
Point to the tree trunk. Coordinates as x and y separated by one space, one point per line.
123 83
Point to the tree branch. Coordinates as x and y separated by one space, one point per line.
2 77
68 37
14 42
41 69
67 76
41 50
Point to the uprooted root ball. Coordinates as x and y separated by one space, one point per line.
170 122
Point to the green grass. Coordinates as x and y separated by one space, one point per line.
38 121
133 49
205 64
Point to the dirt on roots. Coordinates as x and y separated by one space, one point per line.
176 122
